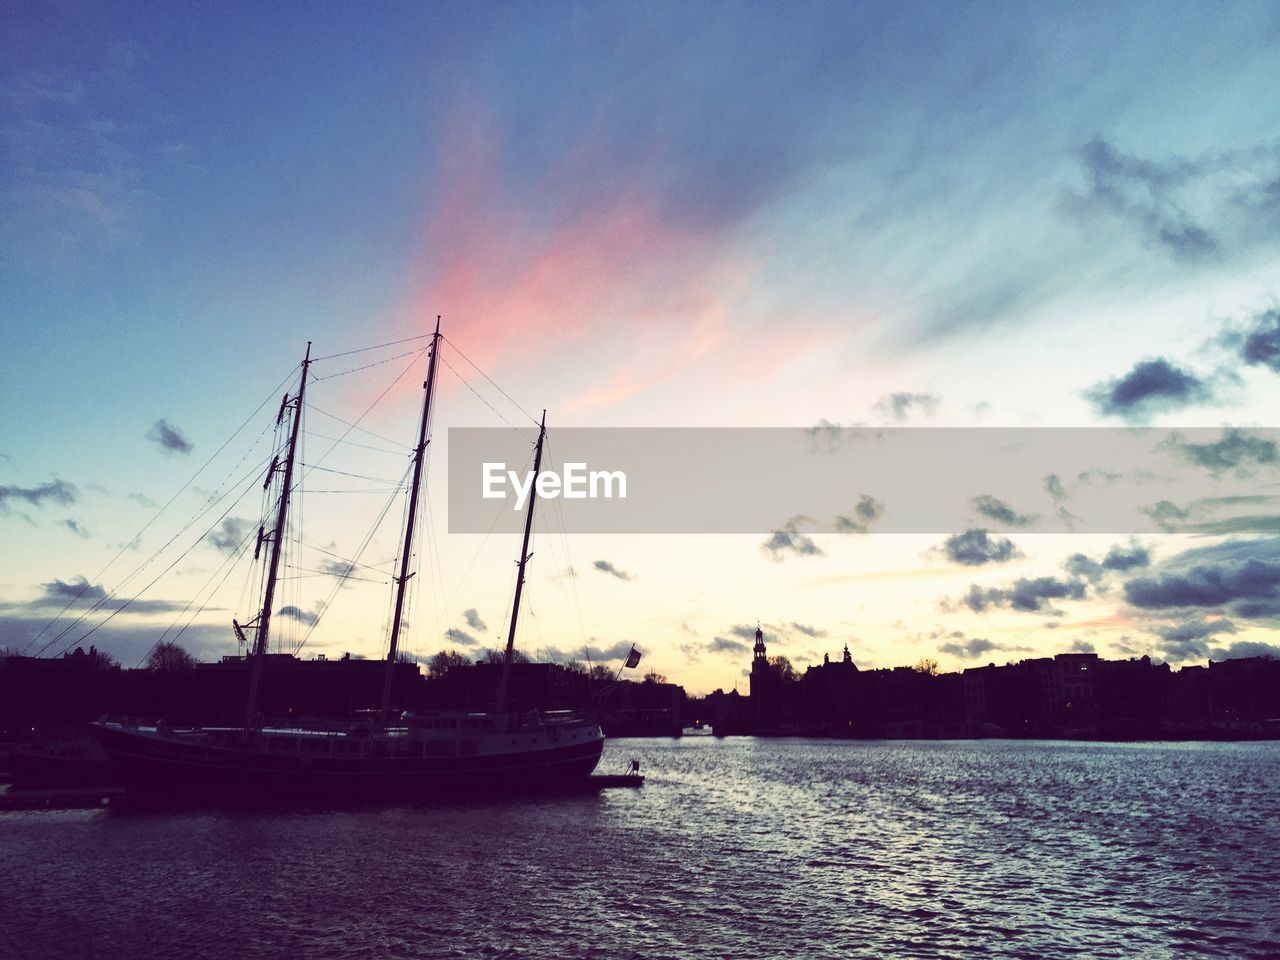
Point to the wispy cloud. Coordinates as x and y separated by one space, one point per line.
789 541
1152 386
901 407
1192 209
55 491
975 548
865 512
169 438
230 534
604 566
996 510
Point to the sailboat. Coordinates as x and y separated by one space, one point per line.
392 753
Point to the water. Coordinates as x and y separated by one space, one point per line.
735 848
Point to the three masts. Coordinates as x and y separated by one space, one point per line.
418 754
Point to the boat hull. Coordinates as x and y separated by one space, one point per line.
151 765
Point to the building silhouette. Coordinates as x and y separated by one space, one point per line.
1069 695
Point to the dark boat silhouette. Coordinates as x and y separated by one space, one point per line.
415 754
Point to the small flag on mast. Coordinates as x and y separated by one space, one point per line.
633 658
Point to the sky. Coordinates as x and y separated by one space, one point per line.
720 214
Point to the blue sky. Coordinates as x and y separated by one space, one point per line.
664 214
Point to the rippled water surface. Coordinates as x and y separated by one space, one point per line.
735 848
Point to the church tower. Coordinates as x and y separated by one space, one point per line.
762 681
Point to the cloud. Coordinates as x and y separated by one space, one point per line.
460 637
76 589
1194 629
790 541
1000 512
169 438
338 569
1117 559
55 491
974 548
1167 515
1131 557
725 645
80 592
1152 386
1057 492
1143 193
143 500
298 614
75 528
807 630
865 512
901 407
1027 595
1245 648
473 620
1081 646
1241 577
230 534
592 652
604 566
969 649
1262 343
1235 451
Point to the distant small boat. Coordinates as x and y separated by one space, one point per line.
420 755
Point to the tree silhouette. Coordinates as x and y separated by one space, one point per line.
782 668
167 657
444 661
495 656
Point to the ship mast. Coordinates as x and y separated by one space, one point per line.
277 539
524 559
403 580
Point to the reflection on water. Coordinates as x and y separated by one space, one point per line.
735 848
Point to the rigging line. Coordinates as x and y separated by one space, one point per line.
466 383
497 515
309 573
376 346
156 579
228 564
178 636
355 426
215 497
358 490
348 423
357 476
352 443
157 514
330 573
102 601
489 378
558 514
368 366
338 556
377 523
